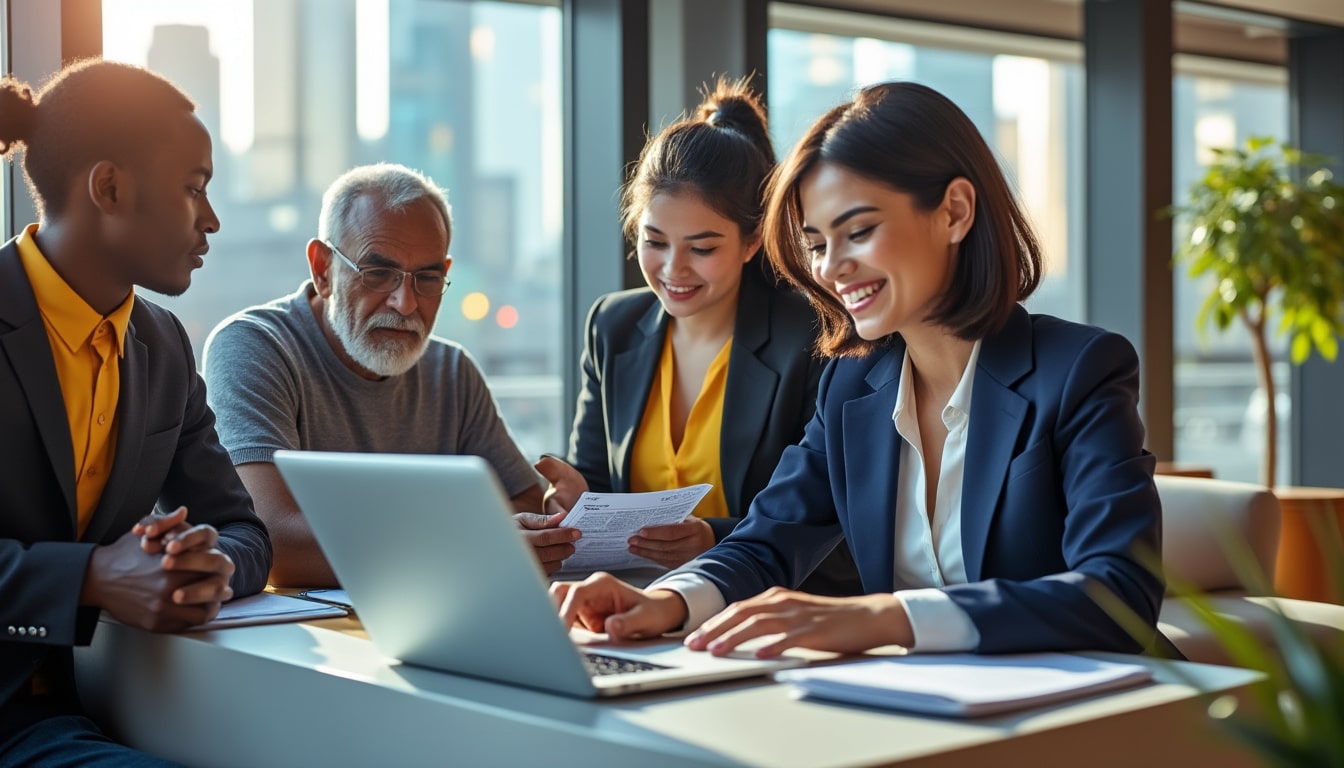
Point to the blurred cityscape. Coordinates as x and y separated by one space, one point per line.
469 92
470 96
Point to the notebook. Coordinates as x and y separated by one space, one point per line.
268 608
426 547
965 685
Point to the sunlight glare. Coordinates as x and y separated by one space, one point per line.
372 68
128 27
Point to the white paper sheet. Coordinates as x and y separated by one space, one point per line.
965 685
608 520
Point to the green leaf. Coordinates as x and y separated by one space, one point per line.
1297 711
1301 347
1323 335
1265 221
1328 347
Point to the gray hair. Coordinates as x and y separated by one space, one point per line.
395 186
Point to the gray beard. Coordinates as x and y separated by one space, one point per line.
383 358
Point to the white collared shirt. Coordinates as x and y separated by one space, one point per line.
928 547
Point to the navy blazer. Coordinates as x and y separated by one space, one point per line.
768 398
1058 497
166 453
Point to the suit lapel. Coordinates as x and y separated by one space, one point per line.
997 416
872 458
130 435
28 348
749 393
631 377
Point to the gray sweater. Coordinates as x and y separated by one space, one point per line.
274 382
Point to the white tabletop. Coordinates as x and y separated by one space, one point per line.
301 694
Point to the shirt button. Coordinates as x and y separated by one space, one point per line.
102 419
91 472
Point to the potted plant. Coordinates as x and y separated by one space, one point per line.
1267 224
1294 716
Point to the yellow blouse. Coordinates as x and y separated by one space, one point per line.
654 464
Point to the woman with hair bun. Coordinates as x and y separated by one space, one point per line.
986 464
706 375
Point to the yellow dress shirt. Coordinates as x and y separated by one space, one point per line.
654 464
87 349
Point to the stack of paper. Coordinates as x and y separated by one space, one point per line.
964 685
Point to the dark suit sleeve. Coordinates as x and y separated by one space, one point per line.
722 526
797 392
589 451
790 527
202 478
40 585
1095 459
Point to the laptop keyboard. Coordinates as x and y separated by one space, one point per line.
598 664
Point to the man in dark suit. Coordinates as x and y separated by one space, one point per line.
102 413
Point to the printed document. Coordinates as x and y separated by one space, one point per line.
608 520
963 684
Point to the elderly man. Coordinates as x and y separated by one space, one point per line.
347 363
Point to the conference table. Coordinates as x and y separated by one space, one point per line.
319 694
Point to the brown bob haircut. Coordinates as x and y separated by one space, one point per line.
916 141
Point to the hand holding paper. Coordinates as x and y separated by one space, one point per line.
607 522
674 544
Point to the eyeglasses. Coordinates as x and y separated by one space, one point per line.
428 283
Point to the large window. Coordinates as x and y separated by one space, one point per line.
1024 94
1220 412
297 91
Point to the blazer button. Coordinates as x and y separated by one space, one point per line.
32 631
11 629
22 631
41 631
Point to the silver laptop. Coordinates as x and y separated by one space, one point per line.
440 577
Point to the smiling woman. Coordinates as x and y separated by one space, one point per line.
985 464
1024 94
891 263
705 375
